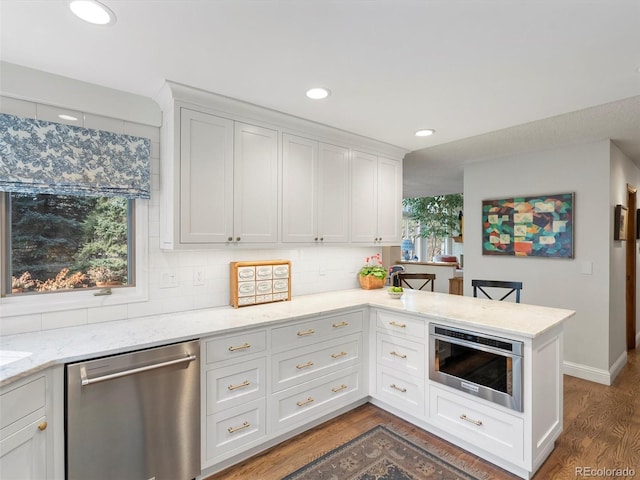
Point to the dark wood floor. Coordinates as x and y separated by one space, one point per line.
601 431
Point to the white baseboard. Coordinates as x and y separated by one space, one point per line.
605 377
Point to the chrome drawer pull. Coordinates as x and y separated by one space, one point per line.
339 325
305 402
338 355
399 325
239 347
475 422
399 355
242 385
304 365
337 389
235 429
311 331
400 389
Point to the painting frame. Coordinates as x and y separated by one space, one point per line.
620 222
529 226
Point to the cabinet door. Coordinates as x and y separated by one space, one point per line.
255 184
333 194
364 195
389 200
206 178
299 183
23 454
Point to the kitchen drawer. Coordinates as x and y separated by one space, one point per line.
234 430
235 346
401 354
246 289
493 430
291 368
299 405
400 325
20 401
400 390
304 333
235 384
264 272
246 274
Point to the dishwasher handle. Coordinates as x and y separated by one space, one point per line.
88 381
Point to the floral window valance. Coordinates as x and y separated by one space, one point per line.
37 156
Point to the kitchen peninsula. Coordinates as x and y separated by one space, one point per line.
353 346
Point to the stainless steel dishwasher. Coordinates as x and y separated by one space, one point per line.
135 416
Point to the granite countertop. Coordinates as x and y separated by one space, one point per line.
53 347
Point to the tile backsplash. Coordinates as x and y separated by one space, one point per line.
199 279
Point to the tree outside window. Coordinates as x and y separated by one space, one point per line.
61 242
438 218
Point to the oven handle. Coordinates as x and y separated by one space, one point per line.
476 346
88 381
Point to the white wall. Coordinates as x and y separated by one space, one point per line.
623 172
583 169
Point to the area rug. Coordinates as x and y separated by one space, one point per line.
381 454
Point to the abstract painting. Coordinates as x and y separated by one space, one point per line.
539 226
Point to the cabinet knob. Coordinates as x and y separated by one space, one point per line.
237 239
380 239
230 239
322 239
315 239
42 426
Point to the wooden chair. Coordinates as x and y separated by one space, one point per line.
429 280
482 284
391 278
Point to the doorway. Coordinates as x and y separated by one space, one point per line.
631 267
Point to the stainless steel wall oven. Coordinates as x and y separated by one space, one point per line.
482 365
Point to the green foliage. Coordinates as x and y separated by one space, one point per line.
45 232
105 242
373 268
438 217
55 239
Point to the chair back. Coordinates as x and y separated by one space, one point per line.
511 286
425 280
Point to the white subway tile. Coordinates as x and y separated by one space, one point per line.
67 318
20 324
107 314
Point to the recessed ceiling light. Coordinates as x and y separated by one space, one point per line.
71 118
93 12
425 133
318 93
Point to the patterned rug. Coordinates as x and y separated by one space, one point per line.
380 454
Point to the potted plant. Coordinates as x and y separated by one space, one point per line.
22 283
372 274
104 276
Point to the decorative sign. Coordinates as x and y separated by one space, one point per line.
540 226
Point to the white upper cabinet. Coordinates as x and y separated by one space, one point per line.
206 178
233 173
315 191
255 183
376 199
228 181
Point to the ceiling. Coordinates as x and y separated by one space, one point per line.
492 77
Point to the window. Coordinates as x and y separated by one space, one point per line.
61 242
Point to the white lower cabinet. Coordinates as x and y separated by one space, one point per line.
234 379
493 430
236 429
263 383
296 406
403 391
23 431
